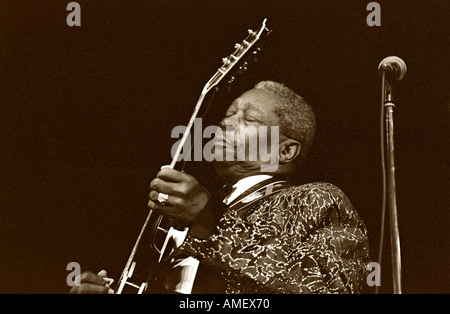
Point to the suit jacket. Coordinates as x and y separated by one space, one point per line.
305 239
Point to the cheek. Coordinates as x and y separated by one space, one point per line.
269 138
246 135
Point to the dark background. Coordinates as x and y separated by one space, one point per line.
87 112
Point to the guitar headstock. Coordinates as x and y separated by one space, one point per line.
247 48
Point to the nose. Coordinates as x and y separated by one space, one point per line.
228 122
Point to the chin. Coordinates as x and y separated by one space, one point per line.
222 165
223 170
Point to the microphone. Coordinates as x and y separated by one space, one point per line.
393 66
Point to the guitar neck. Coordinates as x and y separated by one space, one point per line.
229 63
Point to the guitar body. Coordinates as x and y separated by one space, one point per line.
144 273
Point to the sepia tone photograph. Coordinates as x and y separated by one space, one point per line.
224 147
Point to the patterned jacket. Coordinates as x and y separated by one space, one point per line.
305 239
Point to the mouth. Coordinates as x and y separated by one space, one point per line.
225 139
224 144
224 147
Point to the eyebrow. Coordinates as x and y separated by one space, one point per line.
247 104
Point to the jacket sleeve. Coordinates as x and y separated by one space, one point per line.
308 239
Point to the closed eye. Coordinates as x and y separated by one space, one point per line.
251 119
229 114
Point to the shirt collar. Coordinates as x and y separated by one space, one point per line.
243 185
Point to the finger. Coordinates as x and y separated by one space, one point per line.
169 188
155 207
152 205
102 273
171 201
171 175
154 197
88 288
91 278
167 211
159 185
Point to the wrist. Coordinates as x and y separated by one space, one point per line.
207 220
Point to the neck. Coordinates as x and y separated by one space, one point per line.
230 174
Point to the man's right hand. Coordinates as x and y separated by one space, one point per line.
91 283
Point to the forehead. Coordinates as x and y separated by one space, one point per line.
255 99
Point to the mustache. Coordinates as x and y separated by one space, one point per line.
226 136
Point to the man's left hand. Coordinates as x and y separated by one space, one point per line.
186 196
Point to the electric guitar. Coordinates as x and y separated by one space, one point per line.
155 240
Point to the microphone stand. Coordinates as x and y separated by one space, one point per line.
394 230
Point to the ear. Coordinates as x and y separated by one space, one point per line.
289 149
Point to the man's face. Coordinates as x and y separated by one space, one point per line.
249 131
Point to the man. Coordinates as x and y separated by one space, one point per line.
265 236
